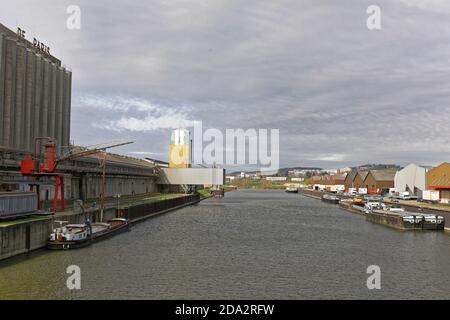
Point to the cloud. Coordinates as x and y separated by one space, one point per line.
149 123
339 93
149 117
117 103
440 6
144 153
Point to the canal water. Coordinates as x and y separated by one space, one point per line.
249 245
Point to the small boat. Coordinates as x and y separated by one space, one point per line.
292 189
330 199
74 236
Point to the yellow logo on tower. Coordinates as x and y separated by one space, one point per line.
180 149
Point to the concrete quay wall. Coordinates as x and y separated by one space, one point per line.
19 237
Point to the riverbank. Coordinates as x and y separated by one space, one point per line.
21 236
250 183
410 206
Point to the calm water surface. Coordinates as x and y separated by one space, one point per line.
249 245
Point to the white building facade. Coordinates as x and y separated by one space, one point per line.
411 178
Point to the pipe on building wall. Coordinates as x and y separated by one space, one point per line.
45 99
66 109
29 101
52 106
2 82
59 106
63 106
18 136
69 107
37 96
10 75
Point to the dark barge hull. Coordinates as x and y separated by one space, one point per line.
397 222
390 220
67 245
433 226
332 201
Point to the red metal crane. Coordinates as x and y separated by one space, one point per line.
31 165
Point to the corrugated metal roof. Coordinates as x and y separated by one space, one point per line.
363 174
125 160
352 174
442 179
383 175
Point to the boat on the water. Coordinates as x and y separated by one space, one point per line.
406 220
73 236
291 189
330 199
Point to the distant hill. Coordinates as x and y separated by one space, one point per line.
367 167
281 172
284 171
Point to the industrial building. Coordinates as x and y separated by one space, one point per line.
412 179
358 180
348 182
438 178
379 181
329 182
35 94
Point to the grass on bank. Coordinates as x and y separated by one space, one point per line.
204 193
155 197
249 183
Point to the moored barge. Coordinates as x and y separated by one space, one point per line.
291 189
330 199
74 236
406 220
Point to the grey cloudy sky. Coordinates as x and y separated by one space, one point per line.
339 93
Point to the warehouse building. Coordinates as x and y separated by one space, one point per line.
379 181
329 182
358 181
348 182
412 179
336 183
35 93
438 178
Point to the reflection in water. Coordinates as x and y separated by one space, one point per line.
251 244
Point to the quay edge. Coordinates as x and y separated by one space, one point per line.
409 207
26 235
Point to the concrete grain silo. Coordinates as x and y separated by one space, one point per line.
35 94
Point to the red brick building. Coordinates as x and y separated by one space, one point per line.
379 181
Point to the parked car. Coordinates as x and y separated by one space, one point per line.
405 195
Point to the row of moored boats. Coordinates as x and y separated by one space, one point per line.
395 216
